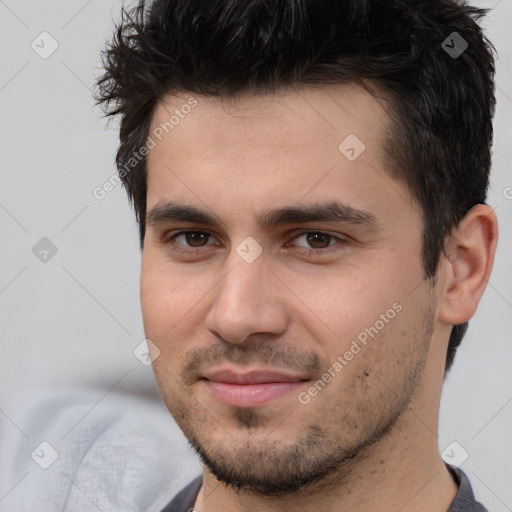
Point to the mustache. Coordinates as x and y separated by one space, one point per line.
260 352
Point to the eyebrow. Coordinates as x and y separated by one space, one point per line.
334 211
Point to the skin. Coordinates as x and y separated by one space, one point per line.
368 439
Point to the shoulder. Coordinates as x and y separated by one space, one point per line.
465 499
185 499
116 450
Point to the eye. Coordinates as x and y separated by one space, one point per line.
190 240
316 239
318 242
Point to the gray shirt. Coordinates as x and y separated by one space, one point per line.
464 500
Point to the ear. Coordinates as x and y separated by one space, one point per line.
468 260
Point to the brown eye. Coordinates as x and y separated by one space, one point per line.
185 240
196 238
317 244
316 240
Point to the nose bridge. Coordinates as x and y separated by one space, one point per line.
246 300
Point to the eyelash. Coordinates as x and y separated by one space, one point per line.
297 234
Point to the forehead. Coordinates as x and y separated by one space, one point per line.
324 114
311 144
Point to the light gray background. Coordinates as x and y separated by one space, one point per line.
75 320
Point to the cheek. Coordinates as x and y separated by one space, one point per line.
343 306
175 303
370 317
166 298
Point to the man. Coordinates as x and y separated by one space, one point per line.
309 180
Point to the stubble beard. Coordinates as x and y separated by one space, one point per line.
317 458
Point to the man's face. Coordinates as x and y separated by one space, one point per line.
251 310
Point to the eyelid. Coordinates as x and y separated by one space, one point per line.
303 231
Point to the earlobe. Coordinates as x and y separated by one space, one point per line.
468 262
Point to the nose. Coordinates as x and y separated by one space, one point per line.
249 299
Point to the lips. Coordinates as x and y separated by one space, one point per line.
255 388
253 377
